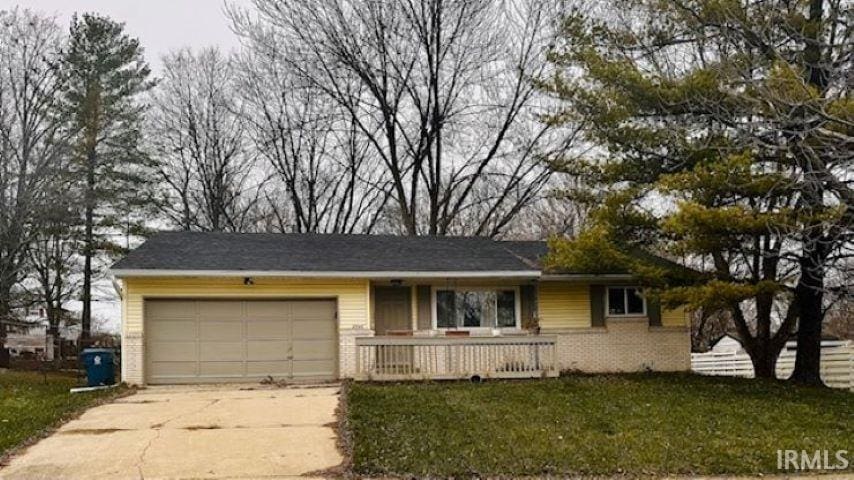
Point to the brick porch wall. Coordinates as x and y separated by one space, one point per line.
133 349
347 350
624 345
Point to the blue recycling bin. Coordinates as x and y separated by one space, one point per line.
100 366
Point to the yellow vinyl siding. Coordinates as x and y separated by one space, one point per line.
677 317
564 305
352 294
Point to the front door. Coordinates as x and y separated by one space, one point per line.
393 309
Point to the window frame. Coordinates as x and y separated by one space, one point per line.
517 307
625 289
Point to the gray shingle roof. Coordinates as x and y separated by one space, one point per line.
531 252
194 251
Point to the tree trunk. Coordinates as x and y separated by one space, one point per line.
764 359
54 316
4 314
809 292
763 351
809 295
88 250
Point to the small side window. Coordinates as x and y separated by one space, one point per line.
623 301
616 302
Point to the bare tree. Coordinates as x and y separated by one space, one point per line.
326 176
54 268
554 214
839 320
707 327
31 139
197 133
441 91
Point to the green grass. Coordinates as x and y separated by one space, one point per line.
29 406
644 424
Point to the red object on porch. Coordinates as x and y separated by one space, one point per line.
457 333
399 333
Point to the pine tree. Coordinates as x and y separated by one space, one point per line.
726 129
105 74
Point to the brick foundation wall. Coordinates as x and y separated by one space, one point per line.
347 350
624 345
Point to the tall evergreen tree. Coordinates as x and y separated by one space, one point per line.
105 73
727 129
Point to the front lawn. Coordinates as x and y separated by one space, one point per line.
29 406
641 424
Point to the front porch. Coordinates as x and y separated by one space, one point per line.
395 358
510 328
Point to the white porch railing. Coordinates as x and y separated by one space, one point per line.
444 358
837 365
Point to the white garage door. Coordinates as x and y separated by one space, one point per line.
199 341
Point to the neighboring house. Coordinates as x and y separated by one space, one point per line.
29 336
212 307
727 344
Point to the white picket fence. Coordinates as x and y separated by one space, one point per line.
837 365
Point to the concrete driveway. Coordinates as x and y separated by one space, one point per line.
192 432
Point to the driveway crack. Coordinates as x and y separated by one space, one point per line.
193 412
141 459
158 427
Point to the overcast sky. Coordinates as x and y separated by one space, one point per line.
161 25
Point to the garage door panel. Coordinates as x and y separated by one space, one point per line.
262 329
314 350
172 330
210 351
221 369
171 309
220 331
220 310
274 369
313 329
173 351
198 341
273 309
172 370
313 310
313 368
267 350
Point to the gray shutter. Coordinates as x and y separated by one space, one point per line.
653 312
528 306
425 311
597 305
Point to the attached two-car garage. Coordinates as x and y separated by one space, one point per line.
207 341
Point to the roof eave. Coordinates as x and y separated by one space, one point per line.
586 276
125 273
